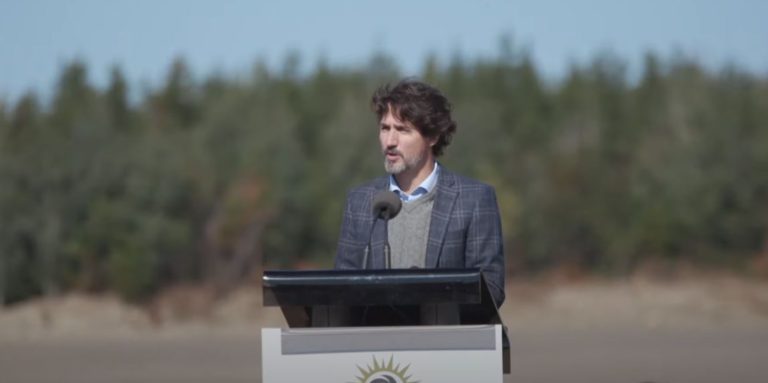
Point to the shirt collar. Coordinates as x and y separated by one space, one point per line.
425 187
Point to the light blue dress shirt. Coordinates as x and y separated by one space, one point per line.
424 188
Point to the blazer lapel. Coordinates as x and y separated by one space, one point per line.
377 238
441 213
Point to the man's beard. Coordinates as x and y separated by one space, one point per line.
398 167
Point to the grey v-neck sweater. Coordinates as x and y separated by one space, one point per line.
409 231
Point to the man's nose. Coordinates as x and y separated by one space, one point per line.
391 139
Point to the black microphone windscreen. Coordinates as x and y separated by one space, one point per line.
386 204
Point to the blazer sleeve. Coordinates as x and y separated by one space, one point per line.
350 246
484 246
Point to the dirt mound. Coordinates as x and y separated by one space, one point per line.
636 302
639 302
72 314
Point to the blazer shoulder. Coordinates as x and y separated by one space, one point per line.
369 187
464 183
359 197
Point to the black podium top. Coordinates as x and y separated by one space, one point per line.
371 287
397 288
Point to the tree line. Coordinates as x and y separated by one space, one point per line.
205 180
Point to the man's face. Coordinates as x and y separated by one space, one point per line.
403 146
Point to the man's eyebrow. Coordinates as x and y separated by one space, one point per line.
394 125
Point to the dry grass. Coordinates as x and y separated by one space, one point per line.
638 302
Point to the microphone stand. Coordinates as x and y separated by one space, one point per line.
387 249
367 250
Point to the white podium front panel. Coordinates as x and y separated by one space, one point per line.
383 354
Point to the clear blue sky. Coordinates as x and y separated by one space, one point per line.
143 36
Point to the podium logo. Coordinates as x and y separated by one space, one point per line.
381 372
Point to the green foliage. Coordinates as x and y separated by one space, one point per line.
208 179
131 272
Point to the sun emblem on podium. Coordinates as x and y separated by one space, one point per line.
381 372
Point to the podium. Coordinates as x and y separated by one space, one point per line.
383 326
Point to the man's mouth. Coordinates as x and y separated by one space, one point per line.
392 155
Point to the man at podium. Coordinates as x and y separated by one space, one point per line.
442 219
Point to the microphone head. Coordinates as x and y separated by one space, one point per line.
386 204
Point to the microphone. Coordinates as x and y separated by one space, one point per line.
386 205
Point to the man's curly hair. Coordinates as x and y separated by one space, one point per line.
422 105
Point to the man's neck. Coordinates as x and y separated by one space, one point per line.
409 181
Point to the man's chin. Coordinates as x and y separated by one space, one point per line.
393 168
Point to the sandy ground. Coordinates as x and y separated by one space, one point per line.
711 329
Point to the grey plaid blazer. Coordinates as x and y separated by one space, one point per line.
465 229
